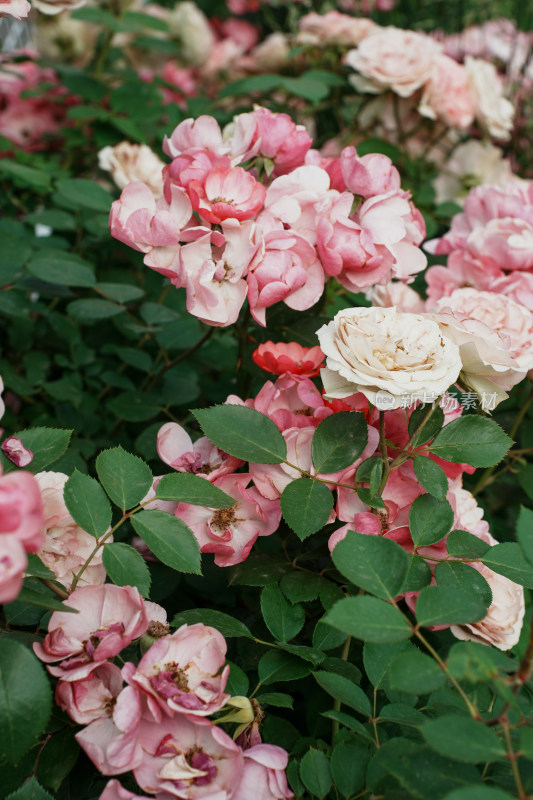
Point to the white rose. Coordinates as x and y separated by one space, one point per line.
373 350
503 623
471 164
493 111
132 162
57 6
191 27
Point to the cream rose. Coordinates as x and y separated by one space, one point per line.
386 355
391 58
57 6
503 623
66 546
191 27
493 111
470 164
132 162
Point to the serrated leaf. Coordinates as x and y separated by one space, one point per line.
243 432
301 586
370 619
125 477
227 625
279 666
463 544
92 310
343 689
429 520
376 564
507 559
431 476
48 601
46 444
306 506
25 700
443 605
83 193
349 722
349 762
61 268
87 503
37 569
415 673
277 699
430 428
31 790
338 441
315 773
464 577
126 567
472 439
187 488
169 539
283 620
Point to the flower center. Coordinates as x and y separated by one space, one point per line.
223 518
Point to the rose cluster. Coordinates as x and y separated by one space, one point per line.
296 406
227 233
152 717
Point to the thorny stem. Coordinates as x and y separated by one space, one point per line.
403 454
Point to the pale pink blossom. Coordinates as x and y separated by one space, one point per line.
368 175
187 757
183 672
115 791
518 286
271 54
109 618
112 741
14 449
21 510
214 274
493 111
195 134
226 194
399 295
296 198
263 777
282 357
447 94
13 563
92 697
66 545
15 8
176 448
230 533
471 163
391 58
285 269
278 138
334 28
291 402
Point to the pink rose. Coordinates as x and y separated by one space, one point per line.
13 448
447 95
21 510
390 58
263 777
368 175
226 194
334 28
15 8
184 672
13 563
229 533
176 448
115 791
188 757
399 295
66 545
109 618
195 134
280 139
291 402
295 199
289 357
92 697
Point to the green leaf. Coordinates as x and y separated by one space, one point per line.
402 714
349 722
259 569
42 600
349 762
46 444
37 569
507 559
31 790
257 83
429 520
57 758
125 477
427 775
126 567
135 406
169 539
444 605
83 193
306 506
464 577
27 176
369 619
243 432
308 88
475 662
463 544
369 499
25 700
228 626
283 620
431 476
64 269
463 739
93 310
415 673
376 564
279 666
524 532
482 792
377 659
430 429
301 586
187 488
418 575
311 654
120 292
339 440
471 439
315 773
87 503
277 699
343 689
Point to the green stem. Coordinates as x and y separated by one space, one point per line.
384 454
337 703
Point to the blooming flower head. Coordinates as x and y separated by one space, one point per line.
281 357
